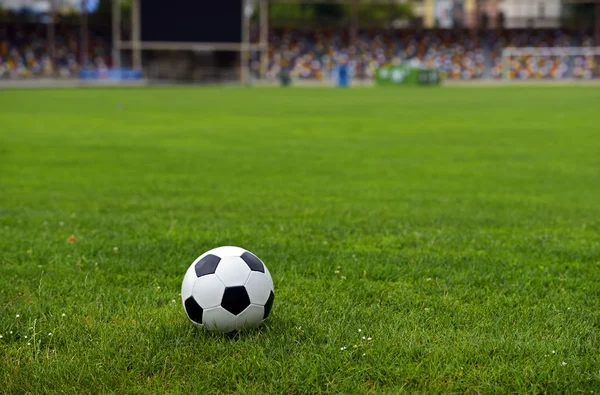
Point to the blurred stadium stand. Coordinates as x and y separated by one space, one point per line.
240 40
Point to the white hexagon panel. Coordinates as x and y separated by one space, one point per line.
188 283
250 317
225 251
233 271
208 291
218 319
268 274
258 287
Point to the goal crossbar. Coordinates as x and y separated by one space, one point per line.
191 46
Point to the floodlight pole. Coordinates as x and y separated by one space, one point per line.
597 30
84 35
475 20
264 38
245 49
52 35
116 33
354 22
136 34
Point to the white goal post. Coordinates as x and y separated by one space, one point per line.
245 47
549 63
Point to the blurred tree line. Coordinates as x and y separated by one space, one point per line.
281 13
580 15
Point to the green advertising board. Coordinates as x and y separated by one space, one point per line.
405 75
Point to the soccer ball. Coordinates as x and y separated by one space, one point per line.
227 289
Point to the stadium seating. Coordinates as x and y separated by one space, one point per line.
24 53
313 54
459 54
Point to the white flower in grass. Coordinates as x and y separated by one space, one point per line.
10 332
337 272
173 301
563 363
364 354
49 333
553 352
25 336
64 315
29 344
18 315
0 336
343 348
364 337
369 338
360 330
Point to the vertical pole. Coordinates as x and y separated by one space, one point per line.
135 34
83 35
116 33
477 15
354 22
244 54
264 38
474 15
597 33
429 17
52 36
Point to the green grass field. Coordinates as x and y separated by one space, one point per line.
457 230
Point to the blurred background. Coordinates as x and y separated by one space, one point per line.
304 41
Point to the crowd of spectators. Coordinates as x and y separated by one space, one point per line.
459 54
25 53
313 54
543 63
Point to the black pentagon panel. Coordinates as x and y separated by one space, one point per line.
207 265
253 262
235 299
269 305
193 310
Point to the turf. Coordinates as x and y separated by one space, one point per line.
434 240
